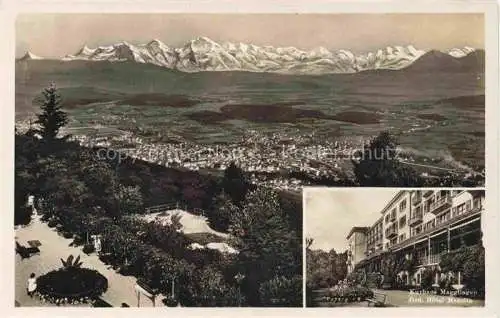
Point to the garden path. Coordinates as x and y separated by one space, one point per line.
53 248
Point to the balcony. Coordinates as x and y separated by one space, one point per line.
440 205
427 193
416 199
415 219
434 259
391 232
422 260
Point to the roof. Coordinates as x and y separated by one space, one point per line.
359 229
394 199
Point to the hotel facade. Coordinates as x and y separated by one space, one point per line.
418 223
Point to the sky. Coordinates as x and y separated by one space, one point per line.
331 213
56 35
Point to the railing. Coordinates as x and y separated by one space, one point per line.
428 260
391 231
443 202
427 193
434 259
415 199
173 206
416 218
439 226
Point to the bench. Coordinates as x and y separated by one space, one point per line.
26 252
33 250
378 300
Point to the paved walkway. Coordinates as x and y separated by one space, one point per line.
53 248
402 298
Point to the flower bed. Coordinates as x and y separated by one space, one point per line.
69 285
347 295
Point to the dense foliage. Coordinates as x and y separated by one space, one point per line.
84 195
470 262
379 164
325 269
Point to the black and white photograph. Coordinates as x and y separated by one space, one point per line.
165 159
406 248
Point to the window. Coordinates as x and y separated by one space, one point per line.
429 225
468 205
418 229
387 219
443 217
402 237
402 221
393 213
402 205
460 209
477 203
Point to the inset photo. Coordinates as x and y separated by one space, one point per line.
374 247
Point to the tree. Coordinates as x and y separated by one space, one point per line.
235 183
474 269
378 165
267 247
309 242
222 212
211 290
324 269
129 200
52 117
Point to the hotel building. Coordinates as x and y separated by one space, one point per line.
420 223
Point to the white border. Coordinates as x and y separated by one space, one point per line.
8 11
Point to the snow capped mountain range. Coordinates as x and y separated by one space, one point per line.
204 54
30 56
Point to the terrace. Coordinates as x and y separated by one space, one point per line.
440 205
465 215
416 218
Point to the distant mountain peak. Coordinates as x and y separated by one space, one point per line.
204 54
30 56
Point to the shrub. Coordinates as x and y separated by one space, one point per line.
427 279
52 223
351 293
67 235
282 292
170 301
88 248
78 240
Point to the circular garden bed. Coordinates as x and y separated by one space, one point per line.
71 285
